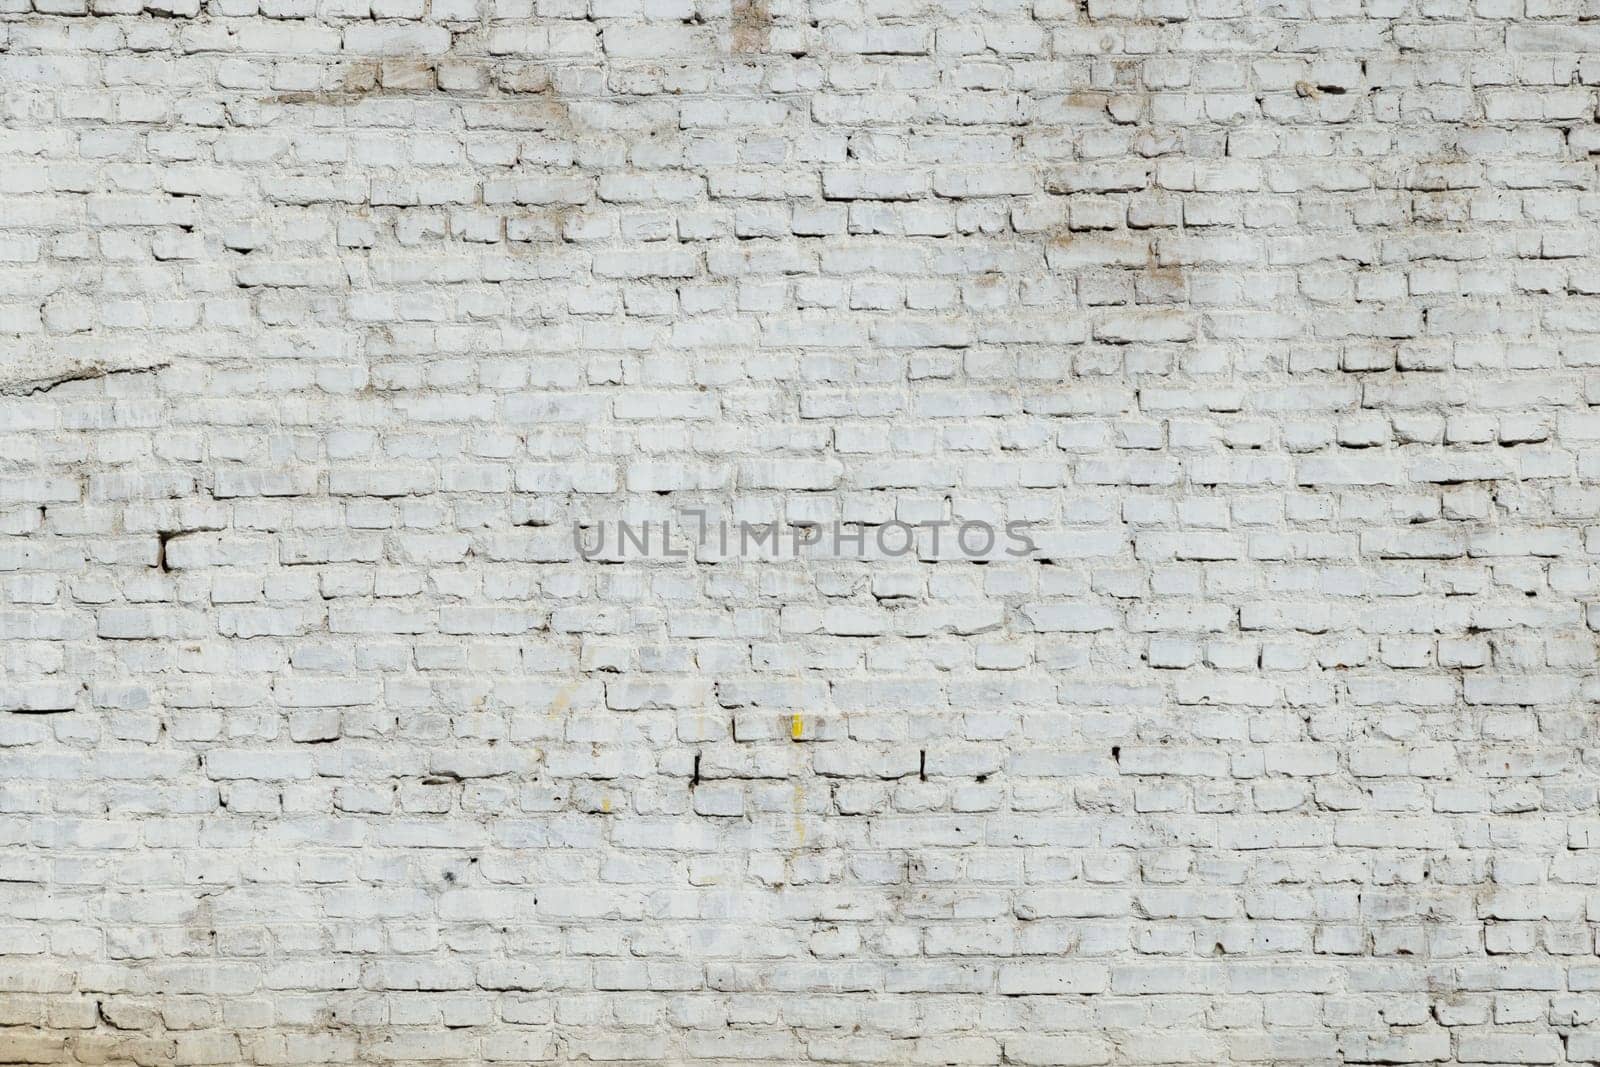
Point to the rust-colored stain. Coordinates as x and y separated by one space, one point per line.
752 25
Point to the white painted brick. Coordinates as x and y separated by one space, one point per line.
322 742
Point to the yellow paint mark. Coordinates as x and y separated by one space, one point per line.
605 805
563 698
797 726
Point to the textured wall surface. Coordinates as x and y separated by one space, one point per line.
322 322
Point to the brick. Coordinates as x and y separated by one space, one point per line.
1257 353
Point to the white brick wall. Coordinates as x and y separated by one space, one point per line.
322 322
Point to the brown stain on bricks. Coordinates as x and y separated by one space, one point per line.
129 1034
116 1048
1088 101
513 94
535 95
356 80
408 75
527 88
360 77
752 26
1167 280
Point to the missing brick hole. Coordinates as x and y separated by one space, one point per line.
162 537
